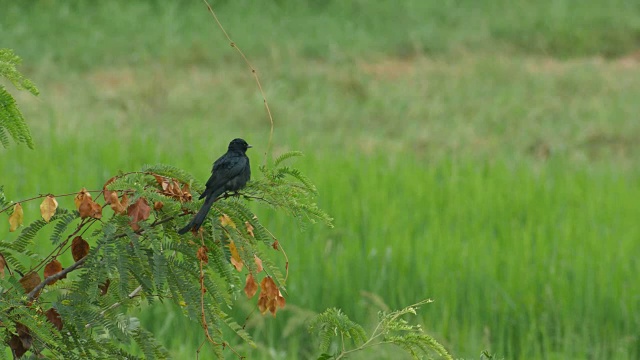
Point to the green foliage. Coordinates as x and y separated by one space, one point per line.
12 123
391 329
288 195
133 260
333 322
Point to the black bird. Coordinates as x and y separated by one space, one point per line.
230 173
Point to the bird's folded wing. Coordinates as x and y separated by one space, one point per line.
223 171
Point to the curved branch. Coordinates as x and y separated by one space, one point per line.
57 276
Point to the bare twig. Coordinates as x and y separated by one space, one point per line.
255 75
43 196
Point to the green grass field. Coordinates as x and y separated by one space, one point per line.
480 153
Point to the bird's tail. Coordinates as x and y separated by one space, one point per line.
197 220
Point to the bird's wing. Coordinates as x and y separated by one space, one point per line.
225 169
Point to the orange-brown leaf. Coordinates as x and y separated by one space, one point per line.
15 220
159 179
249 228
138 211
119 206
80 197
225 221
186 193
158 205
30 281
175 189
88 208
258 262
54 318
96 210
48 207
79 248
262 304
251 286
125 201
235 257
270 297
202 254
108 194
268 287
51 268
115 203
280 300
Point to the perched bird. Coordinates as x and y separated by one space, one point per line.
230 173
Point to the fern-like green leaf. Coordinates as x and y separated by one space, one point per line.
286 156
12 123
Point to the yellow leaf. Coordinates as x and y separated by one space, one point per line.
225 221
48 207
235 257
15 220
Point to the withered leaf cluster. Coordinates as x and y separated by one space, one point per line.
86 206
171 188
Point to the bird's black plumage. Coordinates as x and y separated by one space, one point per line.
230 173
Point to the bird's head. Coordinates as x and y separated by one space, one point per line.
238 145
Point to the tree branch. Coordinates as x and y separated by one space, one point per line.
57 276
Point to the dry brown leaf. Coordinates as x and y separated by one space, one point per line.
158 205
21 342
80 197
249 228
51 268
258 262
262 304
119 206
3 265
125 200
186 193
268 286
138 212
112 198
160 179
54 318
108 194
280 301
48 207
30 281
15 220
79 248
250 287
89 208
104 287
225 221
202 254
175 189
115 203
270 297
96 210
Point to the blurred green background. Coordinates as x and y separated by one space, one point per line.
480 153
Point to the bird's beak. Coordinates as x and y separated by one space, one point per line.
249 146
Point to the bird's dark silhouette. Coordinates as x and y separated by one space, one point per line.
230 173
